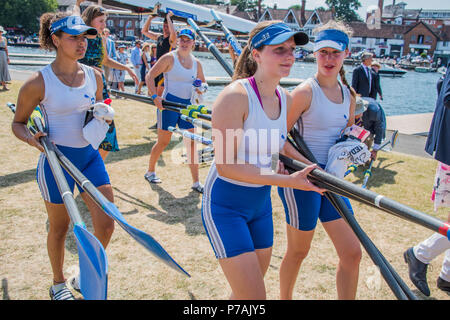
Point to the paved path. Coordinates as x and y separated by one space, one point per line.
412 128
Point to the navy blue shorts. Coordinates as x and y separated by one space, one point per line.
237 219
86 159
168 118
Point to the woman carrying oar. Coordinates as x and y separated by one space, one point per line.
322 107
64 90
236 207
180 69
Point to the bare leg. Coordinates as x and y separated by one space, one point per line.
163 141
103 153
192 156
299 243
348 249
245 274
103 224
58 226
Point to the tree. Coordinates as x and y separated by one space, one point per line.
296 7
345 9
245 4
24 13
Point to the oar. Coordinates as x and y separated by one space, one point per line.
191 135
194 112
344 211
111 210
351 168
196 122
211 47
228 35
367 174
91 254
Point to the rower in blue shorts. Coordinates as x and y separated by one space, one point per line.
65 90
322 108
180 69
249 126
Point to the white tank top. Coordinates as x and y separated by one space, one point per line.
262 136
322 123
64 108
178 81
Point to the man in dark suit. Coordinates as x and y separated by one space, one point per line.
363 78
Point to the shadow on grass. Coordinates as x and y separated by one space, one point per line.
381 174
175 210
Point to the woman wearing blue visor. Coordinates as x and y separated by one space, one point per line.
249 126
322 107
64 90
180 70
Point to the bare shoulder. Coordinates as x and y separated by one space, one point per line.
34 85
233 98
303 90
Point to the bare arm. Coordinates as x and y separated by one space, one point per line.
351 119
107 61
164 64
146 29
173 33
77 9
30 95
200 74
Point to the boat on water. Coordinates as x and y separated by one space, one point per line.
183 10
391 72
424 69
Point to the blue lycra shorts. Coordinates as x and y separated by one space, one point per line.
167 118
86 159
237 219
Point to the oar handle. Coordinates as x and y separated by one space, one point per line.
196 122
351 169
367 174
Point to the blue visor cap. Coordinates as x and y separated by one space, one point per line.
331 38
188 33
72 25
278 33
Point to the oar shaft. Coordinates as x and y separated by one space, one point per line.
211 47
191 135
61 182
196 122
169 105
228 34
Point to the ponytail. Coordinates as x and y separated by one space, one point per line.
45 36
344 81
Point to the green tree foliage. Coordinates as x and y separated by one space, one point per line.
24 13
245 4
296 7
345 9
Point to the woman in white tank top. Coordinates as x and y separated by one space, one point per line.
322 107
180 69
64 90
248 128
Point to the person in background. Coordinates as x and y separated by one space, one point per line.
97 56
153 58
419 257
145 57
376 79
4 60
180 69
112 53
362 78
119 75
136 60
165 42
372 119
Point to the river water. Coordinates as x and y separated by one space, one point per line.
413 93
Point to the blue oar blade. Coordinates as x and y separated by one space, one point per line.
93 265
143 238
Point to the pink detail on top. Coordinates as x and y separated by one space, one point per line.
252 82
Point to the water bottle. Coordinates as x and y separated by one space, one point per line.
196 98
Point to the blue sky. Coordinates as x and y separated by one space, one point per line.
412 4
